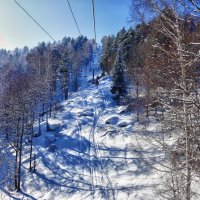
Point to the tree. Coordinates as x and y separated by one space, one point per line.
108 55
118 85
64 71
172 55
28 85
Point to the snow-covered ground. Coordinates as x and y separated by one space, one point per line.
91 152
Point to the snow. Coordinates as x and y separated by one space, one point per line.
90 152
113 120
54 124
124 123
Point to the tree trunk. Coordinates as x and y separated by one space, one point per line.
43 109
20 157
185 113
66 93
39 128
137 97
34 163
16 144
31 150
16 170
93 76
47 123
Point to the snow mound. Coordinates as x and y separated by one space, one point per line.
113 133
83 113
86 113
54 124
84 121
113 120
124 123
121 109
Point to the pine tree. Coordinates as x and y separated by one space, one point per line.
107 57
64 71
118 86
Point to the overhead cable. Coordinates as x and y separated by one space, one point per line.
94 22
75 21
34 20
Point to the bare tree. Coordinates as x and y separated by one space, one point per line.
172 56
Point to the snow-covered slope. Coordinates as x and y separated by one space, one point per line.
91 152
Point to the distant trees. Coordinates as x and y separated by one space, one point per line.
64 74
127 43
116 52
79 53
107 56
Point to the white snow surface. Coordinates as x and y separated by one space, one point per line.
85 158
54 124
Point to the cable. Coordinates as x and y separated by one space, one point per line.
34 20
94 22
74 17
195 4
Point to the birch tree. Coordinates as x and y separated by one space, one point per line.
177 64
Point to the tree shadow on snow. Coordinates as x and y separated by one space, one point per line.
75 174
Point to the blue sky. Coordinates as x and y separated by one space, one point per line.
17 29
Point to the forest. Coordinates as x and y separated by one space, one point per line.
160 57
28 94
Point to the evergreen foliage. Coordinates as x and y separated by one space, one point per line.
118 86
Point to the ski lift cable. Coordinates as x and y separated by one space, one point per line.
94 22
75 21
22 8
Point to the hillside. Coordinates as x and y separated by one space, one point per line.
91 151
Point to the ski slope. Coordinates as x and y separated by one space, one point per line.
91 152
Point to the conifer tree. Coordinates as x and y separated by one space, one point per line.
64 71
107 57
118 86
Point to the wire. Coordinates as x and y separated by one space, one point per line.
74 17
195 4
94 22
34 20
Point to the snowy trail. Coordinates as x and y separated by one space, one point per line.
105 179
98 177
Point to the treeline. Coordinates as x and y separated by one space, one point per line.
32 82
158 65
